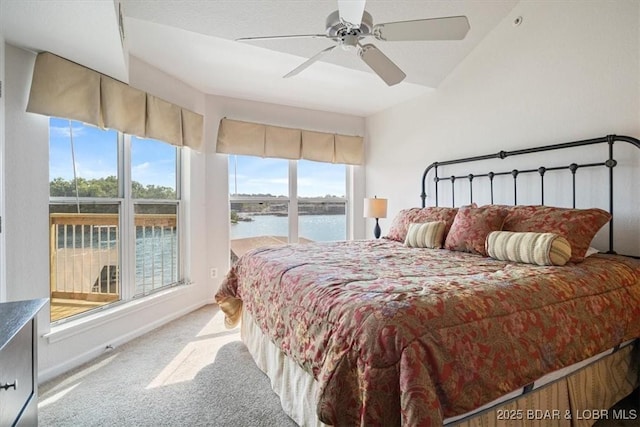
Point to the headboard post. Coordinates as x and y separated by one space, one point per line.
453 190
515 173
436 179
491 175
573 167
541 171
611 163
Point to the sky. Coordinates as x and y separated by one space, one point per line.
256 175
153 163
96 156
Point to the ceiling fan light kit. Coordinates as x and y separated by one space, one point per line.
348 25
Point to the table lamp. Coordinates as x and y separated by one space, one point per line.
375 208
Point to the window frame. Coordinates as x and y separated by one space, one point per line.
293 200
130 220
127 228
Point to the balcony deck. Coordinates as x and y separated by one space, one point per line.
62 307
85 258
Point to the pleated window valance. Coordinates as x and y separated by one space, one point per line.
256 139
62 88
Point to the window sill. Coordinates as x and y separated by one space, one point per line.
95 320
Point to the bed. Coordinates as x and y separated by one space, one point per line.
399 331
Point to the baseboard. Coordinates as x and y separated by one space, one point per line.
54 371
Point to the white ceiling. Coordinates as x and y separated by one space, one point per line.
82 31
193 40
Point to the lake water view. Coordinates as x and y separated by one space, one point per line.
312 227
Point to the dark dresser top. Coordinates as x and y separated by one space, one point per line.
14 315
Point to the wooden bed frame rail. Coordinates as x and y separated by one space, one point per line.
610 163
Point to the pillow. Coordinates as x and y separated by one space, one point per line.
528 247
591 251
425 235
472 225
400 224
578 226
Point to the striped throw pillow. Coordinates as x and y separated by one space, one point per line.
528 247
425 235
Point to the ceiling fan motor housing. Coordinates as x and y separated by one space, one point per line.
338 28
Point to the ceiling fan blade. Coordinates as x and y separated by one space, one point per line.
449 28
295 36
308 62
381 64
351 11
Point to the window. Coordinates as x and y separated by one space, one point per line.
276 201
95 154
153 169
110 194
154 191
322 201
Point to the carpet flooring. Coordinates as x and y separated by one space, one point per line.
190 372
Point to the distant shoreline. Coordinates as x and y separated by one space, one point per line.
286 213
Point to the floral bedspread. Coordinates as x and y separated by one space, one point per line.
409 336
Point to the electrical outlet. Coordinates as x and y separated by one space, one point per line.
213 273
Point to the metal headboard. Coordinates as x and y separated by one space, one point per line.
610 163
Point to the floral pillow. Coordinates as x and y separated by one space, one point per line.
578 226
400 224
471 227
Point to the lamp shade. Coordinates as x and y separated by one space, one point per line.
375 208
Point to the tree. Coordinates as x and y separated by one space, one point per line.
106 187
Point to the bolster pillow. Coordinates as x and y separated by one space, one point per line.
425 235
528 247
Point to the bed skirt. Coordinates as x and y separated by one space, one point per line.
576 396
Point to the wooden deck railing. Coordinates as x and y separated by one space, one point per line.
84 252
158 220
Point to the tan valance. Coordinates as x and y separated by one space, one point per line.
164 120
349 149
282 143
192 125
62 88
235 137
123 107
318 146
257 139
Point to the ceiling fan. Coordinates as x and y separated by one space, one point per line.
350 24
